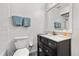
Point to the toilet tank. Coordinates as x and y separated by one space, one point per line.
21 42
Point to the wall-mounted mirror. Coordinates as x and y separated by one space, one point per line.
59 17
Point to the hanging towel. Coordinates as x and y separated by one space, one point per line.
17 20
26 22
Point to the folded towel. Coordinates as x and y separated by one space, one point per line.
26 22
17 20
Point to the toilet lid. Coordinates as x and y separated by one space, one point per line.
22 52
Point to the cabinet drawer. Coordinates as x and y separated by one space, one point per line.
52 43
44 40
41 52
49 51
40 49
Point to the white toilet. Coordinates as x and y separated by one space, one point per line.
22 46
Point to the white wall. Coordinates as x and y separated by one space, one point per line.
75 33
3 26
35 12
8 31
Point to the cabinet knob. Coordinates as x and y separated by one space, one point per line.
50 44
42 40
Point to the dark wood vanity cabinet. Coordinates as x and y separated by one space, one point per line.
48 47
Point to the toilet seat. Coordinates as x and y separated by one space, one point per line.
22 52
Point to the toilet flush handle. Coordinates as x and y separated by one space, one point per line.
30 45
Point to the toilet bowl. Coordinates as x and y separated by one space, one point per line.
22 46
22 52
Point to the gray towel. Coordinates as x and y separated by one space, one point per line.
26 22
17 20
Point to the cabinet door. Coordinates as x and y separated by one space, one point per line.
41 52
63 48
48 51
40 49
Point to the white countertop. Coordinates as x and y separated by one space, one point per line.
56 38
